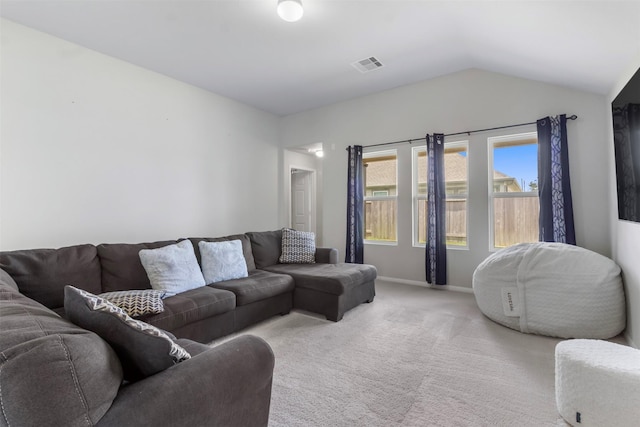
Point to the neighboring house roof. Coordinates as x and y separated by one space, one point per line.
382 173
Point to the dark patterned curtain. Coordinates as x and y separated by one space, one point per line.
355 206
626 141
436 247
554 187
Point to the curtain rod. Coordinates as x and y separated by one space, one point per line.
469 132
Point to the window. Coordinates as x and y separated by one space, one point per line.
456 177
513 189
380 196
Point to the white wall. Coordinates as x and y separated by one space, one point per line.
625 235
94 149
468 100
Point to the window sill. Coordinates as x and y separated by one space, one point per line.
380 243
453 248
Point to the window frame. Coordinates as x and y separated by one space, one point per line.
491 142
373 154
416 198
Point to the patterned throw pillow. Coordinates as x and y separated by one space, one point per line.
222 261
143 349
173 268
298 247
137 302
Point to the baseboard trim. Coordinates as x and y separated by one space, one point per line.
426 285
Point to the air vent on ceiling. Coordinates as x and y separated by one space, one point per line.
368 64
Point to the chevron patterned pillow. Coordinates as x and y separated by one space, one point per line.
298 247
143 349
137 302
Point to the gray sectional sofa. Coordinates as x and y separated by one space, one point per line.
53 372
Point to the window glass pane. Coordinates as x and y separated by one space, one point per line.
456 186
380 178
380 175
422 218
456 222
515 170
455 171
515 220
421 187
515 166
380 220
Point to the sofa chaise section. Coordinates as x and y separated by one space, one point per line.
329 289
325 287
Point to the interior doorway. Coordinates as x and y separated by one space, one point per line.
303 200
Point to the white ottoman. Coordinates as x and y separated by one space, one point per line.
552 289
598 383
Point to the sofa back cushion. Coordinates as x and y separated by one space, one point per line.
266 247
42 274
51 371
122 269
244 239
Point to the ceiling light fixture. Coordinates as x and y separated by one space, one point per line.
317 151
290 10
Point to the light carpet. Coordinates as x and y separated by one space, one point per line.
413 357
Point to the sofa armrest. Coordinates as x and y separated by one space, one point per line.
228 385
326 255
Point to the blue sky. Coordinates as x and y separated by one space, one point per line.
520 162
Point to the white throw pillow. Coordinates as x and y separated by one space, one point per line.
173 269
222 261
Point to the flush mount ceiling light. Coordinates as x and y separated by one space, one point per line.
290 10
317 151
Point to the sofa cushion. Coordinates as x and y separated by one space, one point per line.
143 349
222 261
266 247
122 269
173 268
137 303
52 372
259 286
191 306
329 278
244 239
42 274
298 247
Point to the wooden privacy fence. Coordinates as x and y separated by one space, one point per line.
516 220
380 220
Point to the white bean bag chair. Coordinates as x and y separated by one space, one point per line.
552 289
598 383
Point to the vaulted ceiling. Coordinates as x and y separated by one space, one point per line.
242 50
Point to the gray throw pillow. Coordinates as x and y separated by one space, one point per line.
222 261
298 247
143 349
137 302
173 269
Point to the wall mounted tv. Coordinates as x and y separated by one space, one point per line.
626 142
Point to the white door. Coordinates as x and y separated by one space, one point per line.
301 202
